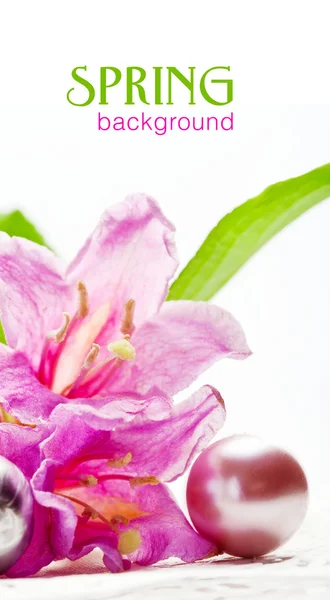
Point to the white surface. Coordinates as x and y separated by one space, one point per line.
300 569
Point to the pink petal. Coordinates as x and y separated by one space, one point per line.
164 448
87 538
167 448
32 294
152 510
165 532
21 446
63 521
22 395
177 345
131 254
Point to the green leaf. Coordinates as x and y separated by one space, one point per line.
2 335
15 223
245 230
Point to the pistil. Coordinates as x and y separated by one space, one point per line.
90 358
123 349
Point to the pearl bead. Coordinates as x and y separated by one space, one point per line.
16 514
246 496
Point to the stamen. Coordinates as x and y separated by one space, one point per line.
98 375
116 520
116 463
83 305
137 481
88 480
58 335
123 349
5 417
91 356
89 513
89 510
127 325
129 541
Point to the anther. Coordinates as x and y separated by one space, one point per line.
89 513
116 463
58 335
91 356
88 480
123 349
116 520
83 305
127 326
137 481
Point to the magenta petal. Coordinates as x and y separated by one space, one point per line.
163 448
33 294
131 254
166 448
87 538
165 532
163 528
21 393
178 344
21 446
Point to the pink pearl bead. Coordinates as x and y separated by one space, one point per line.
246 496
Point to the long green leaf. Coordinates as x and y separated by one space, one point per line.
245 230
15 223
2 335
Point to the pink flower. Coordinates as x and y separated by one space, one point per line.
101 328
96 478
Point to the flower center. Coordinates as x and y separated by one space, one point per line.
59 367
113 512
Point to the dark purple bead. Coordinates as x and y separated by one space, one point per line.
16 514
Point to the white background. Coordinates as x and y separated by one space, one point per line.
62 172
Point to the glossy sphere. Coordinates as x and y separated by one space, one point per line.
16 514
246 496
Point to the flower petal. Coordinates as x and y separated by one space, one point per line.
166 448
151 511
87 538
33 294
178 344
20 445
63 521
131 235
165 531
163 448
22 395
